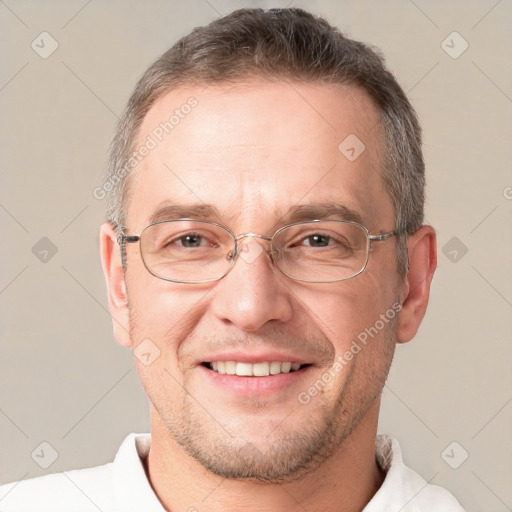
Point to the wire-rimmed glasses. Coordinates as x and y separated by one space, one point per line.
198 251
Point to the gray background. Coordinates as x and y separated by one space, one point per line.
64 380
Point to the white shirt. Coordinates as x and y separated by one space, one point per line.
122 486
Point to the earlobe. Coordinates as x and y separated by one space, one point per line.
116 284
422 253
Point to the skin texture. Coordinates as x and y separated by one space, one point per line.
253 150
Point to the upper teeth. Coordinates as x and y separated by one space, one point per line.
253 369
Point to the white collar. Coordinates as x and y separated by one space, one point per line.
402 490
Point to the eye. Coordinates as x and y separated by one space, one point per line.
190 240
318 240
322 240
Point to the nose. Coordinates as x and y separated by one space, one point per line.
254 292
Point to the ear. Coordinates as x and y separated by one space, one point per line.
116 286
422 253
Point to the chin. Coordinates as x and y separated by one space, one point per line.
279 462
262 451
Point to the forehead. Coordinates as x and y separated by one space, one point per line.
255 150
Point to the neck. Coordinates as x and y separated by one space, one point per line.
343 483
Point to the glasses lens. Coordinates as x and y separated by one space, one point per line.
187 251
325 251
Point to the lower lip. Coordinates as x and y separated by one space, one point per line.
255 385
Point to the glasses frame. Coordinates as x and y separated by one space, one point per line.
129 239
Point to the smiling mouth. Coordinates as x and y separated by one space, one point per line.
263 369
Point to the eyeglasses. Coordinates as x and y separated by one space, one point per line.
197 251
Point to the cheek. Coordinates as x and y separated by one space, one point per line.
349 309
380 278
157 329
165 313
150 298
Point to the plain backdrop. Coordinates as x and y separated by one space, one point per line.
63 379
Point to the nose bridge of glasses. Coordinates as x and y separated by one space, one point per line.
251 237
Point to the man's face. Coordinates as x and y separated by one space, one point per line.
254 151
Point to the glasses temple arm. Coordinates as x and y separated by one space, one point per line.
383 237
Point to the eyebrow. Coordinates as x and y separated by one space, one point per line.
175 211
303 212
297 213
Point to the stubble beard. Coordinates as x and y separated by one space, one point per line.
284 455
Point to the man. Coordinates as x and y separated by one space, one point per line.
264 254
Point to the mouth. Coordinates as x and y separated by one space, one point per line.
260 369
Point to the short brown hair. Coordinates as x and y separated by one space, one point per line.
282 44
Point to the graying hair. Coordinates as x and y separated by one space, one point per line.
281 44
